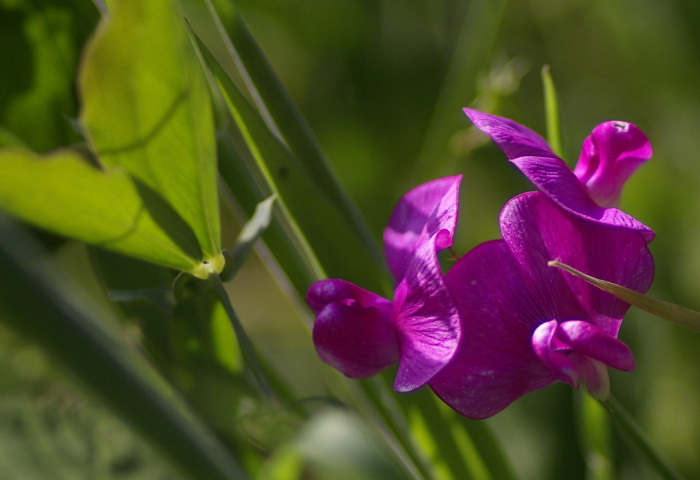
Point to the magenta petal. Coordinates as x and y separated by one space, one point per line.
426 320
531 154
432 206
589 340
514 139
494 363
323 292
353 331
594 374
538 231
554 353
610 155
551 176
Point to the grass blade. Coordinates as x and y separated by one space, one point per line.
36 302
661 308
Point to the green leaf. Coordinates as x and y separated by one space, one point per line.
326 228
283 117
290 249
146 107
63 193
551 107
246 239
661 308
595 437
40 47
634 435
51 439
42 305
458 446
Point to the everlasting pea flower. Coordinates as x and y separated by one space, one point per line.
361 333
526 325
612 152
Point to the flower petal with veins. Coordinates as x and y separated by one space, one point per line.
607 161
525 324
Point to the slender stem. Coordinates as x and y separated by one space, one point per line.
639 439
660 308
380 397
551 107
595 437
249 356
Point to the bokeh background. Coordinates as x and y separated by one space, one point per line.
382 83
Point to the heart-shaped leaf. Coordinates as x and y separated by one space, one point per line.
146 107
63 193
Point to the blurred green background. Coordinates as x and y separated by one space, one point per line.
383 82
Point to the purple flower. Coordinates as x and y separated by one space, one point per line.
526 325
361 333
612 152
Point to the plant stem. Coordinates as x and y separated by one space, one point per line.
249 356
639 439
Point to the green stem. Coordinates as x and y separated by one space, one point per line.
660 308
595 437
551 108
639 439
249 356
381 398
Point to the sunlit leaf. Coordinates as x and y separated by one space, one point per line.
146 108
63 193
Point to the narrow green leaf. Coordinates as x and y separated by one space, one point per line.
282 116
639 440
250 232
551 108
459 447
387 406
146 107
63 193
247 348
326 229
40 304
661 308
596 437
283 239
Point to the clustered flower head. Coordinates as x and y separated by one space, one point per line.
501 322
